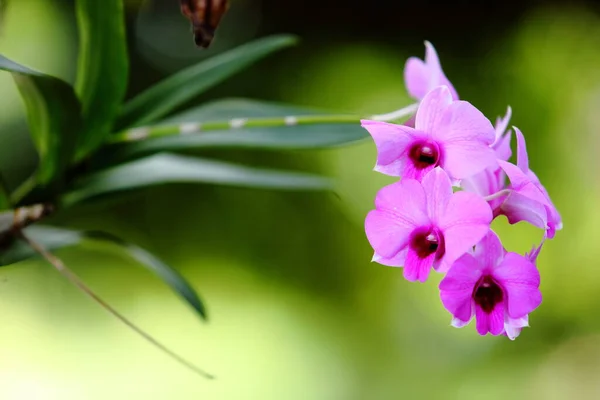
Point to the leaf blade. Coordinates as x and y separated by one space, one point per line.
172 92
50 237
103 66
170 168
166 273
304 136
54 238
53 114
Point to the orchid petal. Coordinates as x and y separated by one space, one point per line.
522 158
489 251
432 109
456 289
438 191
400 207
465 223
393 143
417 268
492 322
521 280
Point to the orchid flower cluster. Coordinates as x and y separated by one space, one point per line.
455 180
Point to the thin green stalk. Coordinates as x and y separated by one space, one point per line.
147 132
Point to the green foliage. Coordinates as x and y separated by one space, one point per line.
74 128
53 238
174 91
163 169
301 136
103 68
53 114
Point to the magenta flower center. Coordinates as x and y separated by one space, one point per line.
425 154
426 242
487 293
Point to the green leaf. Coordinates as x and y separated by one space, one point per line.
168 275
52 238
103 68
54 117
174 91
5 203
304 136
49 237
169 168
227 109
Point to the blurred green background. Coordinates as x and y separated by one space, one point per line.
297 310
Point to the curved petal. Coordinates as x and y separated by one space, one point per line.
433 61
521 281
489 251
518 207
405 197
464 122
432 109
417 78
392 142
459 323
400 208
466 221
456 289
518 178
417 268
387 233
420 77
522 158
465 158
513 326
396 261
502 147
438 191
492 322
502 124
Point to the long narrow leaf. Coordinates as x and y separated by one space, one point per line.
54 116
103 68
174 91
167 274
52 238
169 168
49 237
172 134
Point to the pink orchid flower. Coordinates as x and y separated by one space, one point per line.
451 134
528 200
421 77
500 289
492 180
424 225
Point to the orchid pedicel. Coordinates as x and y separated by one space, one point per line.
455 179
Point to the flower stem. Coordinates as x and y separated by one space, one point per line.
146 132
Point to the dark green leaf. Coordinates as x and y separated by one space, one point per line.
174 91
226 109
103 68
170 276
281 137
4 195
54 117
52 238
169 168
49 237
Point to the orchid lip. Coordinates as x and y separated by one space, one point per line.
427 241
487 293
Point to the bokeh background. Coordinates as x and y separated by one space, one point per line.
297 310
